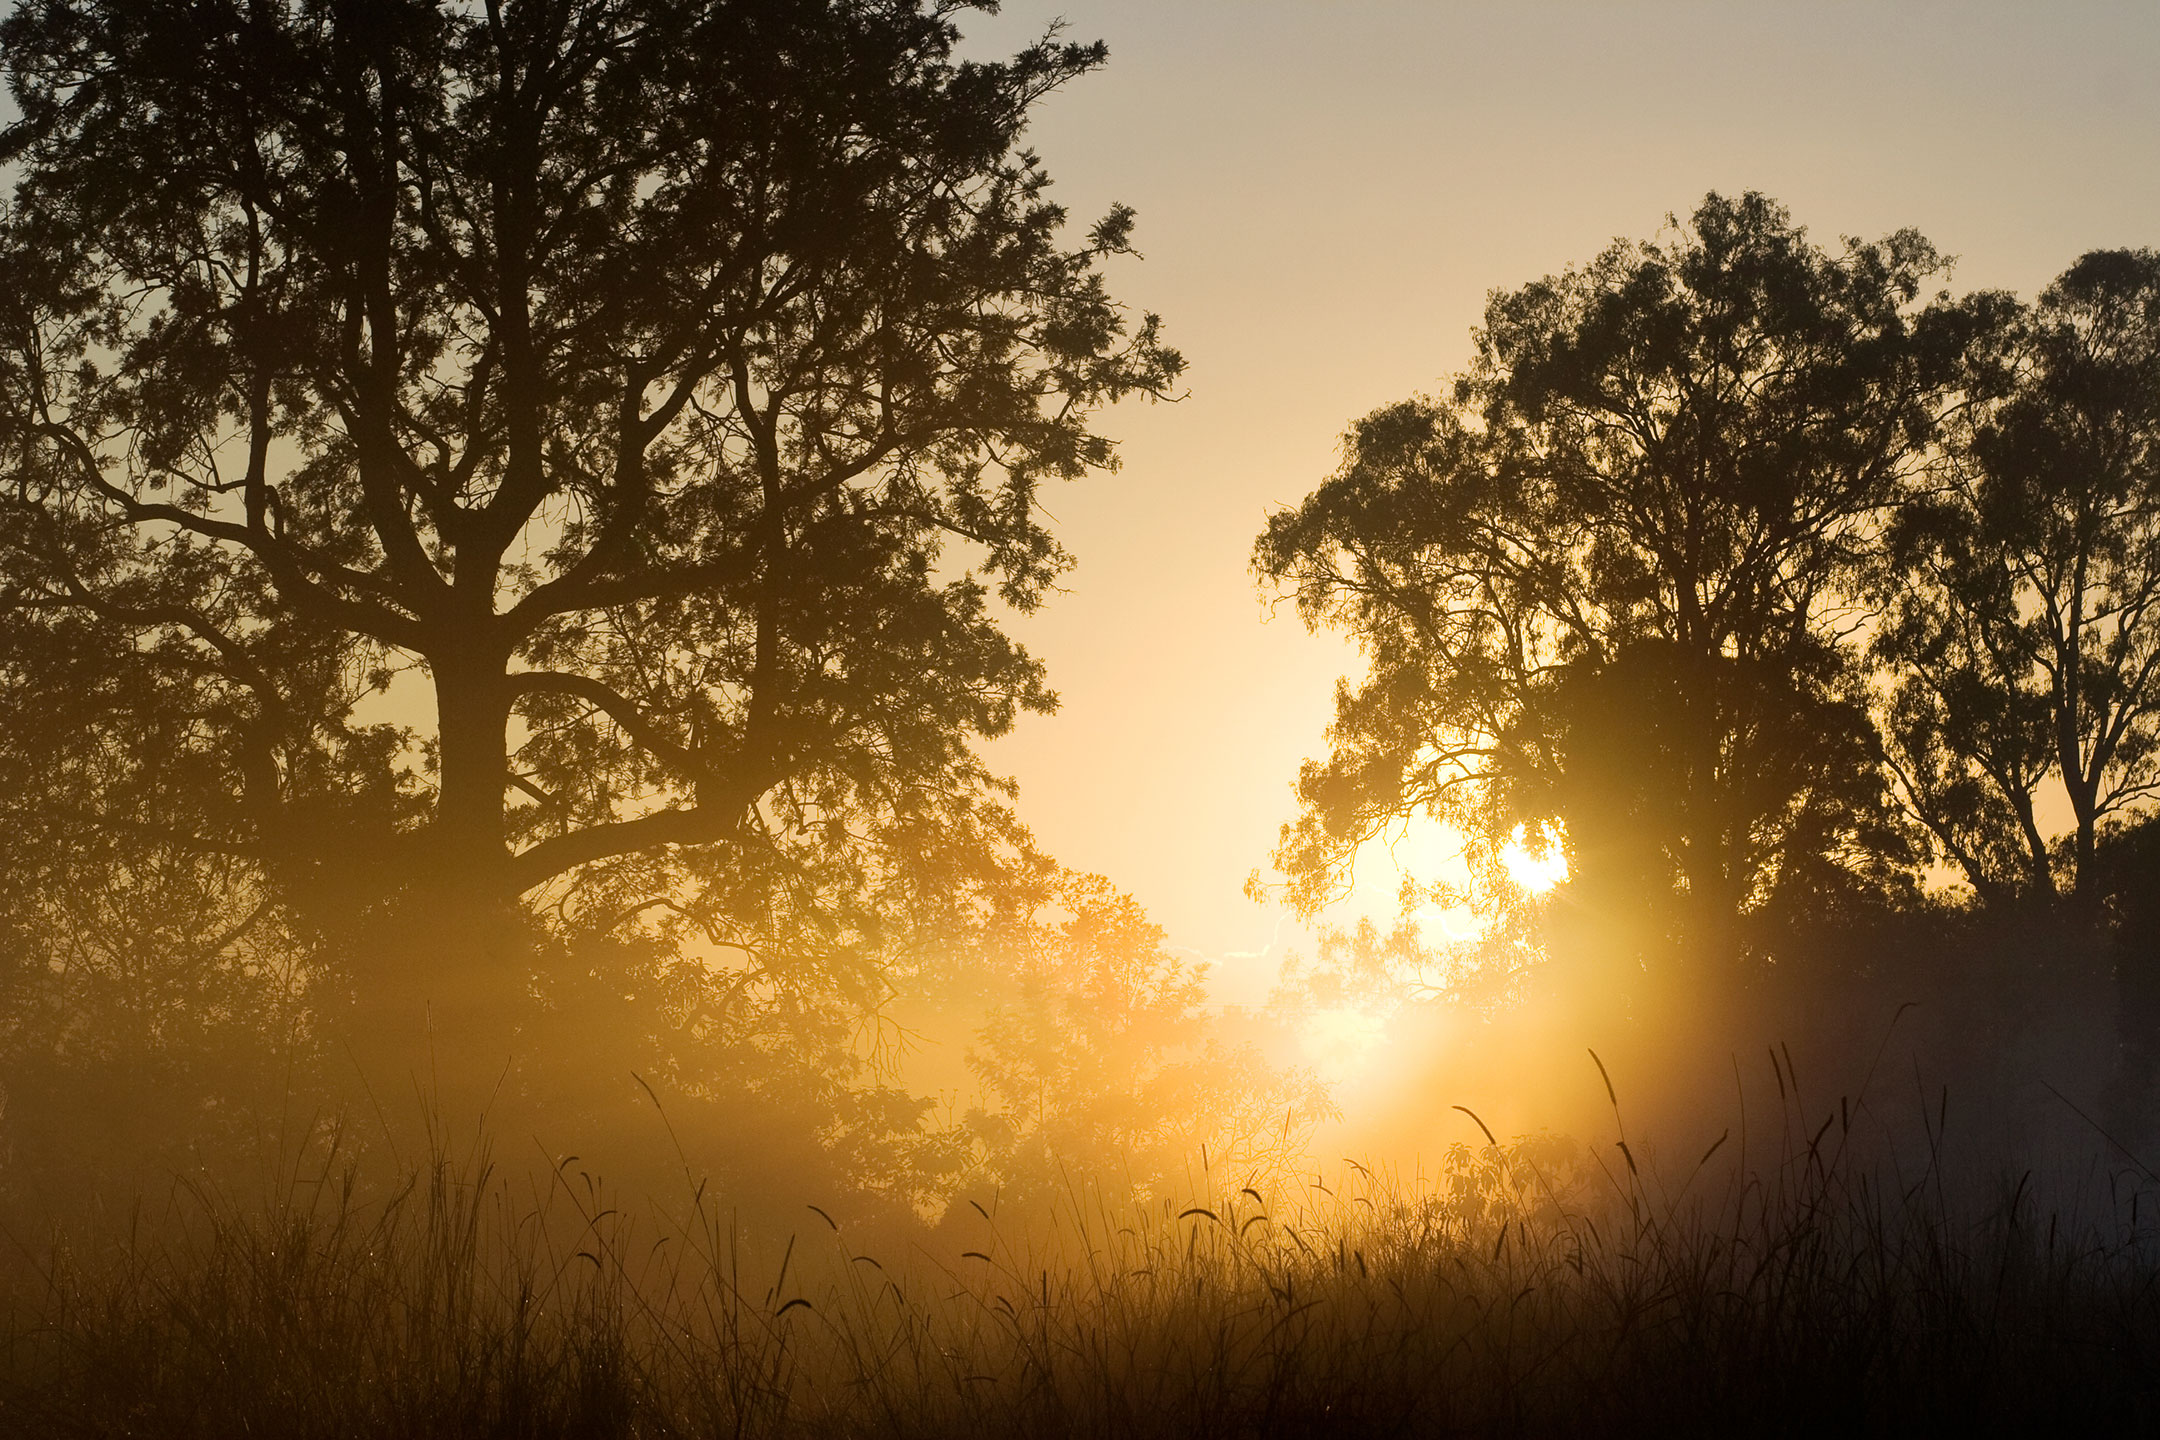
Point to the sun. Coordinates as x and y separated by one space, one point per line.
1536 872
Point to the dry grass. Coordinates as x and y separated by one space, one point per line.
1539 1288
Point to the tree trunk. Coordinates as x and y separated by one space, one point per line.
472 712
437 1002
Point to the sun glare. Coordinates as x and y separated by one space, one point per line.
1422 850
1341 1041
1536 871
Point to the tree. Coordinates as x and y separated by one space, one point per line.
1099 1060
1606 579
666 385
2023 585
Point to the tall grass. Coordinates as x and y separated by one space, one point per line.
1536 1288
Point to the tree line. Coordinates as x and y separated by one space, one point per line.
509 506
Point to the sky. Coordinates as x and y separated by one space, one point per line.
1327 192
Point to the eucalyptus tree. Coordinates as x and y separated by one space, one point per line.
664 388
2023 586
1609 578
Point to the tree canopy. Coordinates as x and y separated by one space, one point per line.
2022 585
665 385
1605 579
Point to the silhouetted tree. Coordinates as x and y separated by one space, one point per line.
1696 790
1608 577
2024 585
665 384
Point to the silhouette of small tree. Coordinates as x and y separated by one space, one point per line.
1100 1060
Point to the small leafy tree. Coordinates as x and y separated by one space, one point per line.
1100 1061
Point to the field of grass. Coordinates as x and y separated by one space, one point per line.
1538 1288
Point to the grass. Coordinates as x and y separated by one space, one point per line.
1539 1288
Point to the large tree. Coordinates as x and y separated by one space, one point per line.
664 385
1606 579
2023 586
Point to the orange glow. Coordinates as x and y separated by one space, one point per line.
1536 871
1342 1042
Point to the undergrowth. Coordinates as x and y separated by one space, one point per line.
1536 1288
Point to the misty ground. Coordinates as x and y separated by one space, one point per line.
1896 1205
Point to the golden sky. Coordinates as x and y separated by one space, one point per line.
1326 193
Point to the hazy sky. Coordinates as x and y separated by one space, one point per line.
1326 193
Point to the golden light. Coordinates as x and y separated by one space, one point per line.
1341 1041
1422 850
1536 872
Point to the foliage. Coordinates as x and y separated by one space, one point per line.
2126 871
154 1006
1699 791
2023 585
143 1033
1652 494
666 385
1101 1065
